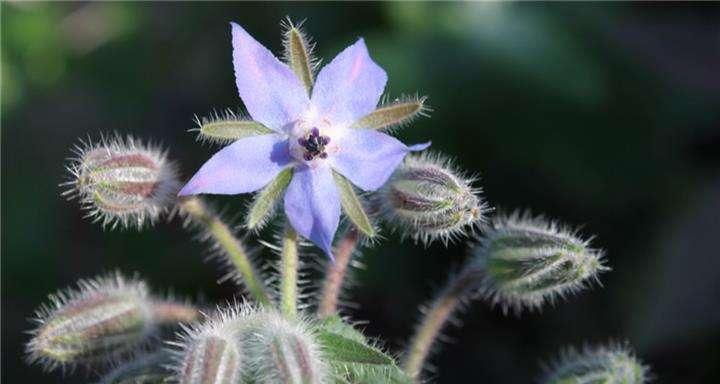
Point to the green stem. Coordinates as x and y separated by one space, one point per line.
435 318
226 240
335 274
289 272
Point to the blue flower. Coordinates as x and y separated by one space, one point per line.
311 133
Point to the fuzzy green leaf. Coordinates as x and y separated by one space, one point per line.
343 349
230 128
334 324
353 207
266 200
360 372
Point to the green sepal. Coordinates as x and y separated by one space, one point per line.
230 128
396 114
266 200
298 53
352 206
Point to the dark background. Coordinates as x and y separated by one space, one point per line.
604 116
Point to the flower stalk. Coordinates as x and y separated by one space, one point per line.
449 299
289 272
169 312
335 274
226 240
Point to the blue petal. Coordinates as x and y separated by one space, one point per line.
271 92
312 205
244 166
368 157
350 86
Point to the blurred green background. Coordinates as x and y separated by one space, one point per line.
601 115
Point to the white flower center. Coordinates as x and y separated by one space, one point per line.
311 141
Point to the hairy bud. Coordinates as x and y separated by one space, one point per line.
613 364
526 261
426 199
281 351
102 320
211 353
122 181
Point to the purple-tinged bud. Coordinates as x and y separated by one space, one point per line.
122 181
100 321
426 200
614 364
525 262
211 353
282 351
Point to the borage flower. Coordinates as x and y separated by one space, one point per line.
312 130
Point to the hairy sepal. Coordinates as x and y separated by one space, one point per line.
298 53
226 127
395 114
264 204
353 207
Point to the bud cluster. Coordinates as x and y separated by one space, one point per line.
244 344
121 181
526 261
426 199
612 365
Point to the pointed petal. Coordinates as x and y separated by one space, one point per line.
244 166
368 158
271 92
312 205
350 86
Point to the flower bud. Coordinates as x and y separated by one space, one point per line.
427 200
122 181
104 319
281 351
526 261
597 365
211 353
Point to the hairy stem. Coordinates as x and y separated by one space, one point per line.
435 318
169 312
289 272
335 274
226 240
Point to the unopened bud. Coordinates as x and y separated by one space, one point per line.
612 365
122 181
282 351
211 353
527 261
100 321
427 200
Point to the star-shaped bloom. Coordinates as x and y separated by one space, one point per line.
312 133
